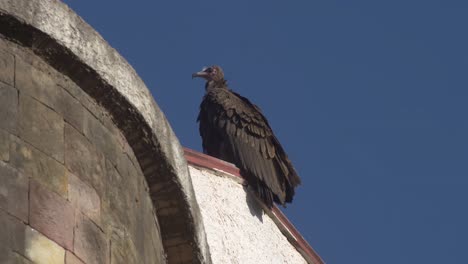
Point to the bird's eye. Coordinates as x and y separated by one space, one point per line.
208 70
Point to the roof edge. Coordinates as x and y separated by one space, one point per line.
282 222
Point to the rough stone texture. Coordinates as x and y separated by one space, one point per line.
7 68
42 250
41 85
12 233
8 256
90 242
82 181
84 197
71 46
129 216
144 242
41 127
235 228
4 146
37 165
121 199
14 192
72 111
100 180
8 107
52 215
101 137
72 259
122 249
83 159
38 84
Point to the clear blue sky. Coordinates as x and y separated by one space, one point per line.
369 99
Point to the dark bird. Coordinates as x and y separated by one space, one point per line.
234 129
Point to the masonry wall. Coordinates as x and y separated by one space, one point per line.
91 171
80 130
71 189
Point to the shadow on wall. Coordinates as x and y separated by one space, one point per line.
254 206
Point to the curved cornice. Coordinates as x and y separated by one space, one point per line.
60 37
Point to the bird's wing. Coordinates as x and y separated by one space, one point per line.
236 130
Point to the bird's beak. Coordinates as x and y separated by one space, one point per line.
201 74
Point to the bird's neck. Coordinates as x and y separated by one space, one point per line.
210 85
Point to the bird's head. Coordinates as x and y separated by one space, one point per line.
212 73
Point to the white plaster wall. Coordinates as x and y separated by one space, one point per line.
236 228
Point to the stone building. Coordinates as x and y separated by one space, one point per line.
91 171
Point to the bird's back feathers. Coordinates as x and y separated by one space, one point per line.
235 130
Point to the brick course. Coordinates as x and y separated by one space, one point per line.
70 183
51 215
41 127
8 107
72 259
14 192
84 198
90 242
38 165
7 68
4 146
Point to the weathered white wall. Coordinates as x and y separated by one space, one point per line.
237 230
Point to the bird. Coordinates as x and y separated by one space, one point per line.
234 129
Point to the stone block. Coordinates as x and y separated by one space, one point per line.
72 88
43 87
36 83
34 163
90 242
83 160
7 68
12 233
147 236
8 256
18 259
89 105
14 189
102 137
129 206
51 215
109 221
41 127
72 259
84 197
109 122
8 108
4 145
130 174
122 249
129 152
121 199
71 110
41 250
5 254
